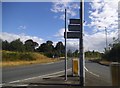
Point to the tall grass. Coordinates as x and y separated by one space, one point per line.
16 56
10 58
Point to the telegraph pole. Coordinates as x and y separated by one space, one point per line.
81 58
65 48
106 38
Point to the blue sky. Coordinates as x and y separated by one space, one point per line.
36 17
42 21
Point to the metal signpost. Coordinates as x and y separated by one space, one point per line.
74 27
76 32
73 35
65 48
75 21
81 61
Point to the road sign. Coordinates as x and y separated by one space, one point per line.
72 35
74 27
74 21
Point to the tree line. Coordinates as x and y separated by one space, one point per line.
50 50
29 45
46 48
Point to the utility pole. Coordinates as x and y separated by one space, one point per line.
106 41
81 58
106 38
65 48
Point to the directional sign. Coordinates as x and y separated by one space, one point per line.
74 27
74 21
72 35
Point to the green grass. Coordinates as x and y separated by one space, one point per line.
16 56
10 58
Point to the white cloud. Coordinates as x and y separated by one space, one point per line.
10 37
104 14
60 33
59 7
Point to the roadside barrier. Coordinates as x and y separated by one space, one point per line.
75 67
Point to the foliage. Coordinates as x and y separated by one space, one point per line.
17 45
16 56
112 54
76 53
60 49
92 54
30 46
47 48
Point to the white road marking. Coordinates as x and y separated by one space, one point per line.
47 75
91 72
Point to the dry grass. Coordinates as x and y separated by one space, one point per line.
105 62
17 63
39 58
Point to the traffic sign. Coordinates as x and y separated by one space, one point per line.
72 35
74 27
74 21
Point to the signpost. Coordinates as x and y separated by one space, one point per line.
75 21
73 35
76 32
81 59
65 47
74 27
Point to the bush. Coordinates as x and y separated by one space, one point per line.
26 56
113 53
15 56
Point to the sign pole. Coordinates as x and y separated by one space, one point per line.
65 49
81 58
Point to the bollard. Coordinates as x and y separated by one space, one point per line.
115 73
75 67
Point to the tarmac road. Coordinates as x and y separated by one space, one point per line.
94 71
23 72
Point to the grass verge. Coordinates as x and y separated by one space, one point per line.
17 58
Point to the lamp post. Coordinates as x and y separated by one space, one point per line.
106 37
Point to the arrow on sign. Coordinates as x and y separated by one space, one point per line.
72 34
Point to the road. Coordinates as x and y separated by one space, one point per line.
23 72
101 72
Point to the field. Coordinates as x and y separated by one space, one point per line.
23 58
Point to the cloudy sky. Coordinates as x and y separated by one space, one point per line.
42 21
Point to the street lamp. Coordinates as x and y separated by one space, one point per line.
106 37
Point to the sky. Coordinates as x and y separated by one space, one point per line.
42 21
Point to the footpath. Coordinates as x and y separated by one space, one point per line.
57 81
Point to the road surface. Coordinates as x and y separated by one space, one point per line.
23 72
96 70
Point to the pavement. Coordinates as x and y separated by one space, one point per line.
58 80
95 75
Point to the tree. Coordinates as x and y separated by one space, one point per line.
5 45
60 49
69 53
30 45
113 53
47 48
76 53
92 54
16 45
